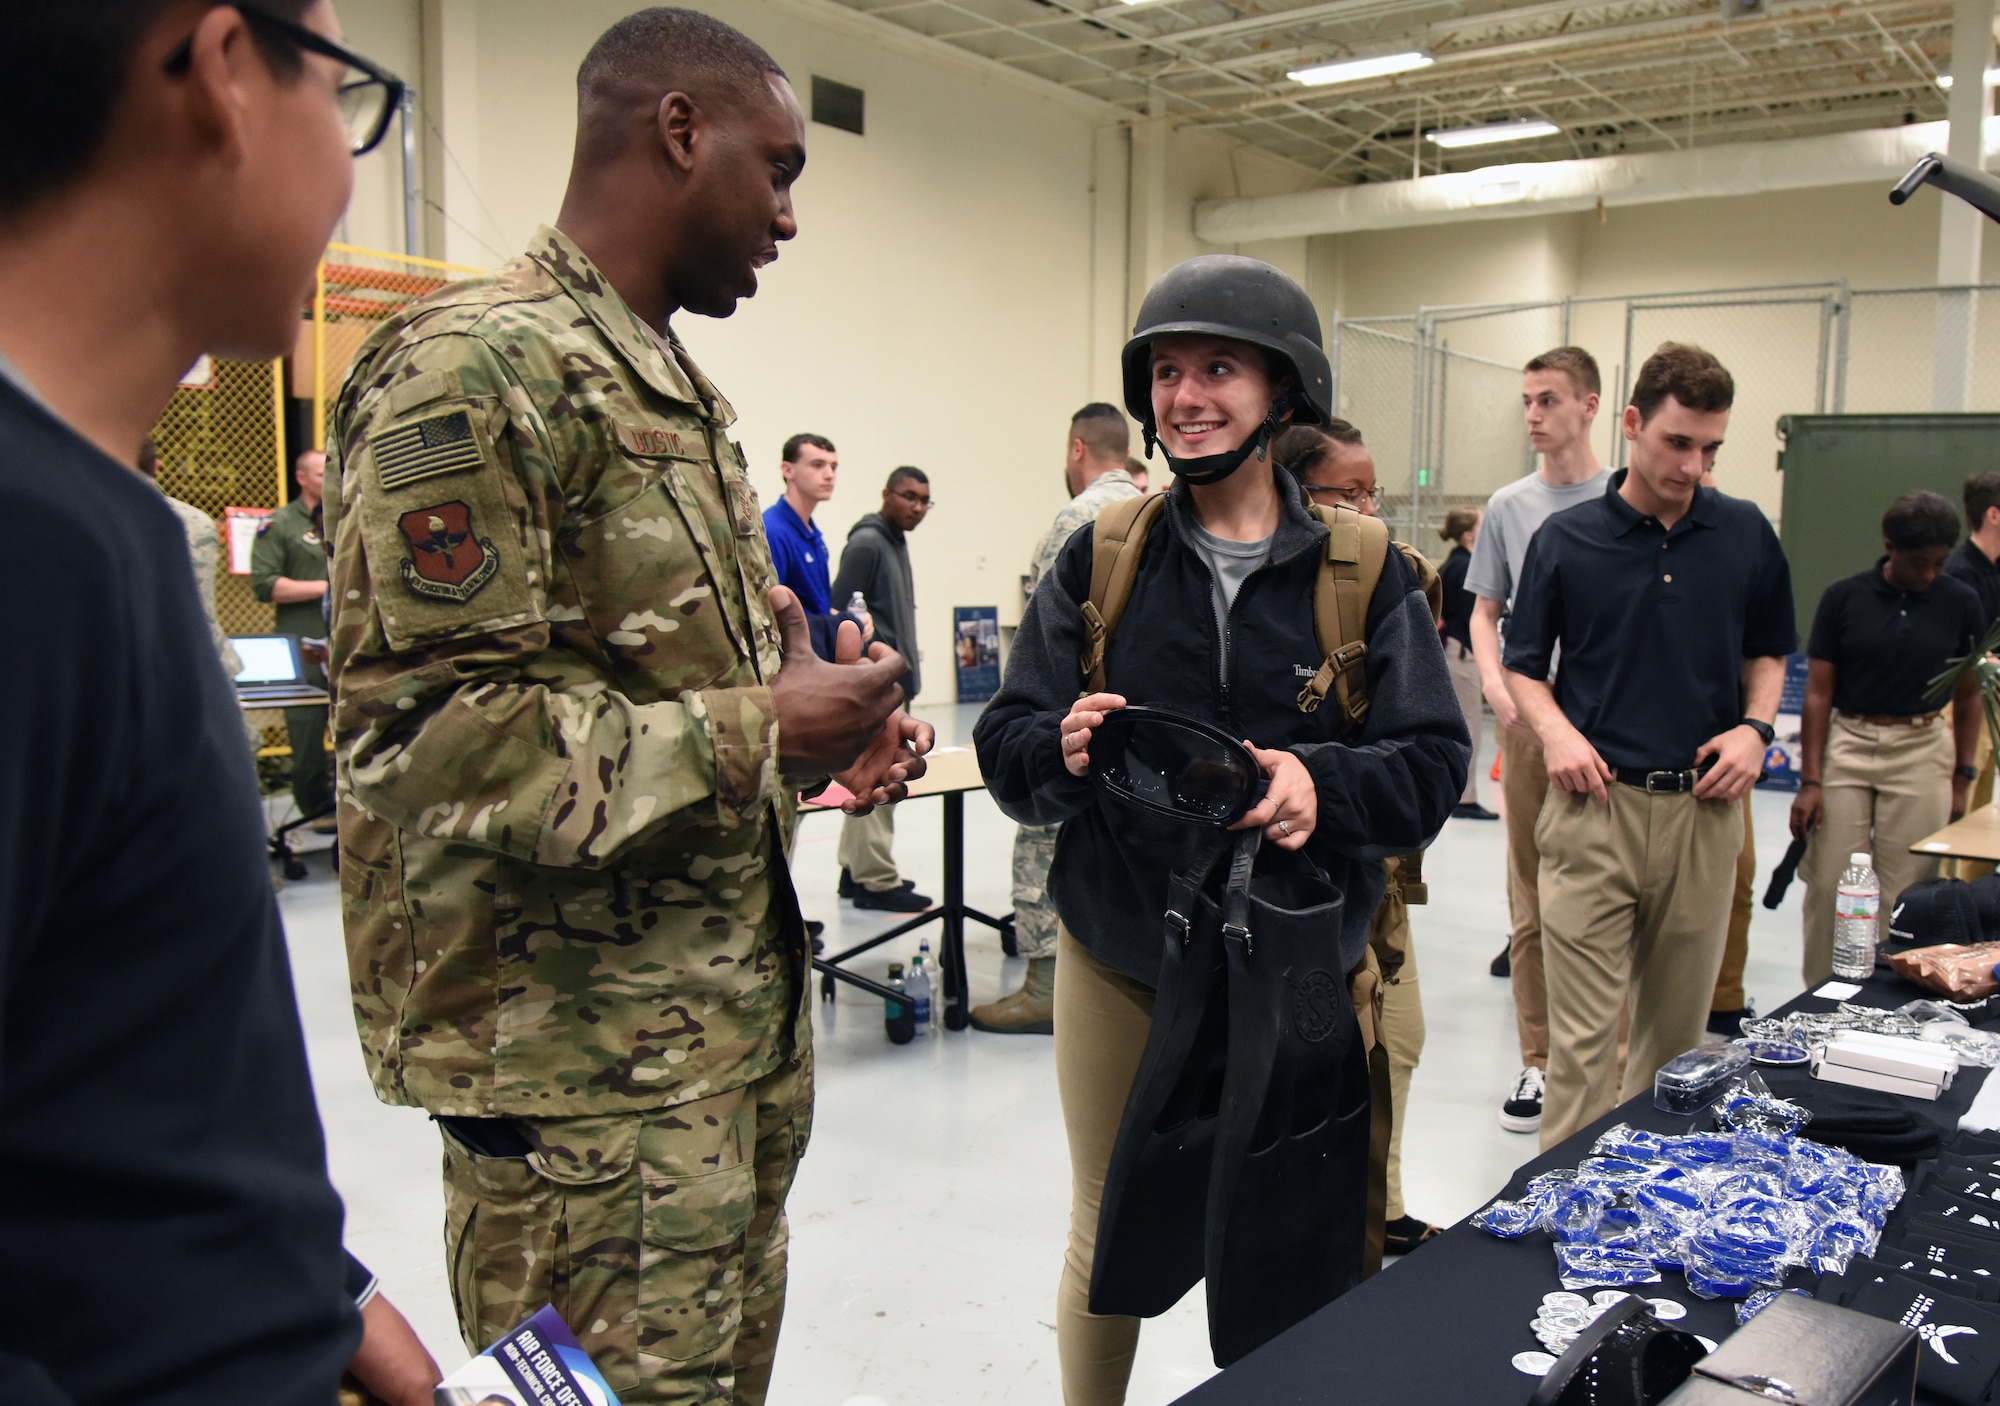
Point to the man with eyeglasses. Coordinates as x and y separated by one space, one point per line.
876 562
165 1213
1333 464
573 711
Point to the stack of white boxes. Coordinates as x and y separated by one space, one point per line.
1913 1067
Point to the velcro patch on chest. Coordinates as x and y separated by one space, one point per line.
445 443
654 441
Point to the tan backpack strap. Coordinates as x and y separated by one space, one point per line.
1356 549
1117 540
1428 580
1410 874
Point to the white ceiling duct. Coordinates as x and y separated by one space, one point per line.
1552 187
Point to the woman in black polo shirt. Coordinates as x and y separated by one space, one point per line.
1877 759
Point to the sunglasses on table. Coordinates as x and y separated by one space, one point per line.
367 101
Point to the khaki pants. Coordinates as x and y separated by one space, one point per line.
1524 785
1736 948
866 849
1635 903
1982 794
1102 1020
1885 788
1402 1032
1472 703
660 1237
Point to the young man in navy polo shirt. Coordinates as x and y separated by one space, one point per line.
1671 605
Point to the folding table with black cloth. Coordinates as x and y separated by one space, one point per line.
1443 1324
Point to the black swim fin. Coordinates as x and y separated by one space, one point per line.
1288 1193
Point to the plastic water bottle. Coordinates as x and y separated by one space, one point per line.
936 975
857 604
898 1016
1856 910
918 984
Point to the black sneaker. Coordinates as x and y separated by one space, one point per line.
1399 1237
814 927
1729 1024
1472 810
846 889
1522 1112
1503 965
899 900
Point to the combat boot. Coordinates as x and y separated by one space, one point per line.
1029 1011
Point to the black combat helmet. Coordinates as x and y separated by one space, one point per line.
1228 295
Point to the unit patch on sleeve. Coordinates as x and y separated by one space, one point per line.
436 444
447 561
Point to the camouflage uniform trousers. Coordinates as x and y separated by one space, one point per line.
659 1236
1034 911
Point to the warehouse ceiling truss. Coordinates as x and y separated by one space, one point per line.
1615 77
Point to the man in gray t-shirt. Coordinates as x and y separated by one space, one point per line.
1559 401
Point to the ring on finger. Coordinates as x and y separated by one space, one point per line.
1284 827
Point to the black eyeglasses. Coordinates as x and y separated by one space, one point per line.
366 103
916 500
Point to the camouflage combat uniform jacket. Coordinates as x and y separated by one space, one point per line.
561 866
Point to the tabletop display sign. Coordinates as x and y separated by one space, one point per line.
975 632
538 1364
1781 758
242 526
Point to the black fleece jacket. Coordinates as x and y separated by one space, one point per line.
1386 792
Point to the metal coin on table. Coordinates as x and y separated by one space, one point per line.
1563 1298
1535 1364
1666 1310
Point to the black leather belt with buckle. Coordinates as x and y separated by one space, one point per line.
1660 782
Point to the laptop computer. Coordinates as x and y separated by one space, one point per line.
271 666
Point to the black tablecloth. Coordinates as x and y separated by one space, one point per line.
1443 1323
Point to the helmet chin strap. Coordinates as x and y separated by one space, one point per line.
1213 468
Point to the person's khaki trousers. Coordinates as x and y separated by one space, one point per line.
867 849
1102 1020
1472 703
1402 1028
1886 787
1524 785
1982 794
1729 994
1635 903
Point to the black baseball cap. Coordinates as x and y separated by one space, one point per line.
1932 911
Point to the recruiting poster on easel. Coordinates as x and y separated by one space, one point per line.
975 637
1781 758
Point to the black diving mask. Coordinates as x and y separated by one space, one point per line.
1175 765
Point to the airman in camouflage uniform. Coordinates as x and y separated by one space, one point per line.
1031 1009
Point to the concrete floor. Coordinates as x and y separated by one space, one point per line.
928 1217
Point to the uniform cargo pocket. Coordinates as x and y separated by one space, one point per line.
691 1273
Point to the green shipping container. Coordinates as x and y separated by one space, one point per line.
1842 472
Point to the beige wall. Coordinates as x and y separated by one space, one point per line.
1823 235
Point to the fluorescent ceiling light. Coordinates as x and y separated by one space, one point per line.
1349 70
1519 130
1992 79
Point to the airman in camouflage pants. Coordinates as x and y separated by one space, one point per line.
659 1236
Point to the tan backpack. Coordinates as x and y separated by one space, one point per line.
1356 548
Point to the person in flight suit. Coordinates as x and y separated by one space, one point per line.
288 568
573 711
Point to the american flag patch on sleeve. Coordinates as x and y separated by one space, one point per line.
438 444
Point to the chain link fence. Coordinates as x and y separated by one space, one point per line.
1437 393
357 288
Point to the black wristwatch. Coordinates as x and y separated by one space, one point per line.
1965 773
1762 729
